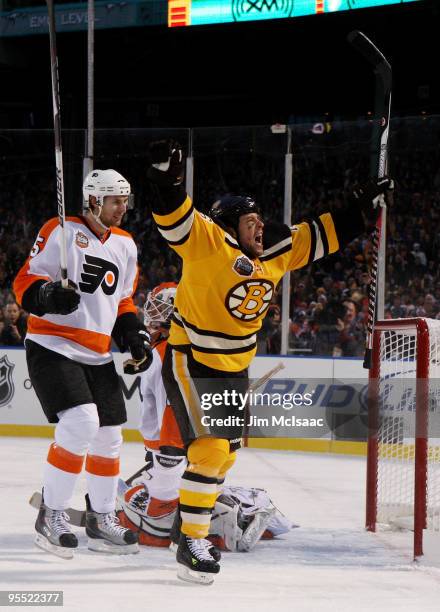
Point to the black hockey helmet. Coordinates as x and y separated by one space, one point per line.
227 211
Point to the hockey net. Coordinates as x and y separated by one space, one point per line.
403 473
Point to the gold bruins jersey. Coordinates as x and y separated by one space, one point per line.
224 295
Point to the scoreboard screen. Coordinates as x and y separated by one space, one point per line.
203 12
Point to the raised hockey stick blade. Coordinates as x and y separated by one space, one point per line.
382 70
58 149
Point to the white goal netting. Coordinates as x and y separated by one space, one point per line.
400 352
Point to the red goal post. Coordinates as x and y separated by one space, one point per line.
403 460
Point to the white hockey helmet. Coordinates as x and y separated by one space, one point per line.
101 183
160 305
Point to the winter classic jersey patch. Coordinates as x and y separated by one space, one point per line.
81 240
243 266
249 299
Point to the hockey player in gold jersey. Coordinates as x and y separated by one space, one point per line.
232 262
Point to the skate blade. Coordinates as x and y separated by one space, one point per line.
59 551
173 547
184 573
115 549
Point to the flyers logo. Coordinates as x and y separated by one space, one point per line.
98 272
249 299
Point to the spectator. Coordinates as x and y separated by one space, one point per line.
15 325
351 338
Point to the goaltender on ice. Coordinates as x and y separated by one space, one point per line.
232 262
70 363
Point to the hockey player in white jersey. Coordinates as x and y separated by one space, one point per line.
70 364
151 504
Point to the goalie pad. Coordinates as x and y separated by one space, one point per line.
232 529
241 517
152 518
225 531
252 501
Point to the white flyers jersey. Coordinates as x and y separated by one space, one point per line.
105 272
154 397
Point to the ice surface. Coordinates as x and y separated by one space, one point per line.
329 564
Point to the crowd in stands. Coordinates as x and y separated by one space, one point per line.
328 300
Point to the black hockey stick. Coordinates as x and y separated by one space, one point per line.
58 150
382 70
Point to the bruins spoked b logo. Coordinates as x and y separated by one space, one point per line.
98 272
249 299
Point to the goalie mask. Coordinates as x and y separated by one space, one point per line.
158 309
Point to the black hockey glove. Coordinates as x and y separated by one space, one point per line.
167 163
138 341
371 195
52 298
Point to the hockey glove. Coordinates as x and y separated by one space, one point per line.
370 196
167 163
54 299
138 341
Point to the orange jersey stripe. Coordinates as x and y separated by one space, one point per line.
169 431
100 343
102 466
127 304
153 444
24 279
120 232
64 460
161 348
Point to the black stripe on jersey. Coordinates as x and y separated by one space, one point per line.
199 478
324 239
281 251
167 228
312 241
214 334
215 351
181 241
232 244
176 320
194 509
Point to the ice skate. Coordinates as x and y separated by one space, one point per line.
196 564
175 537
53 532
107 535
